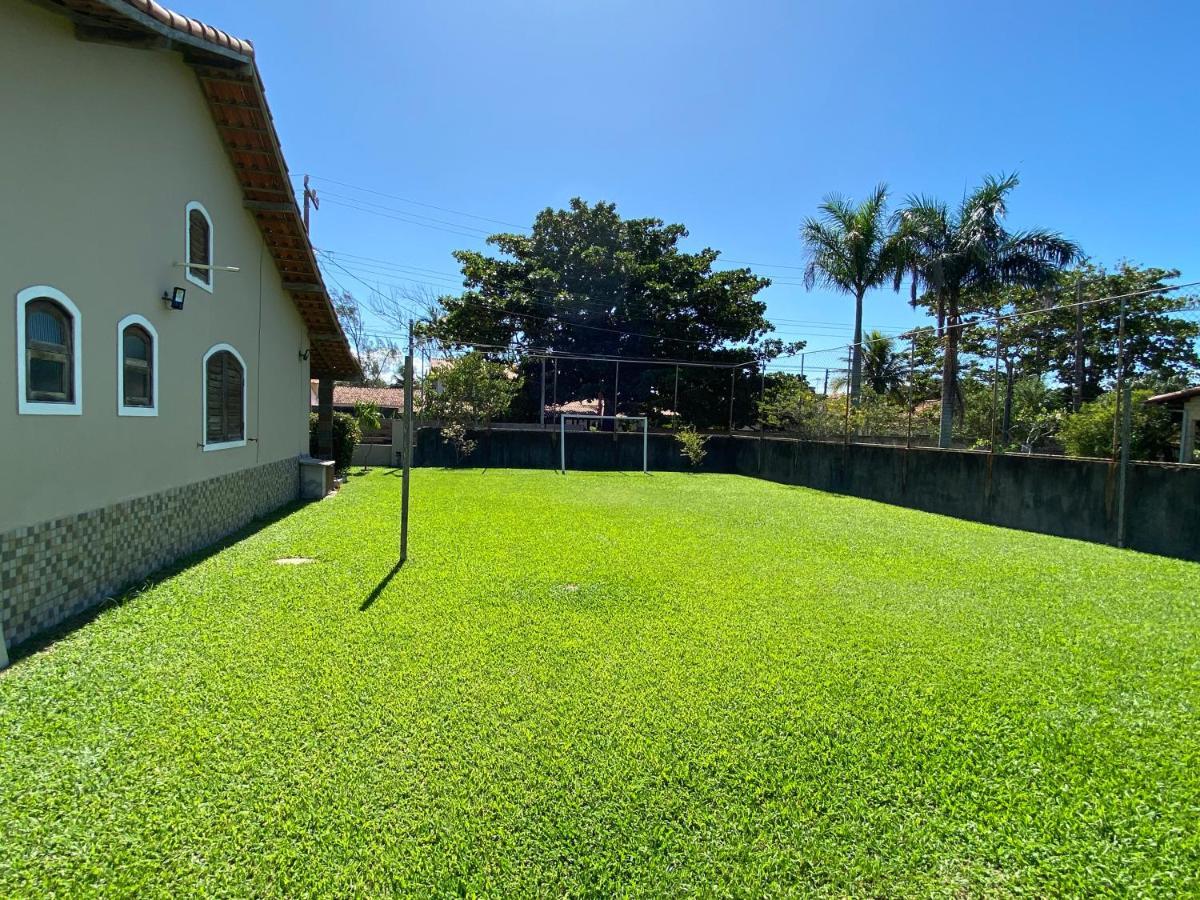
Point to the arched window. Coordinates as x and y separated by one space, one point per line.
137 367
224 398
48 353
199 246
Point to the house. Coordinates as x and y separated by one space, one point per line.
165 310
1187 403
347 396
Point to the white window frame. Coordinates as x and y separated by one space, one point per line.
187 246
122 409
221 445
26 407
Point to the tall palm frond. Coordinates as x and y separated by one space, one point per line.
852 248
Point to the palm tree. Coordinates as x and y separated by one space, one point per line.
968 249
852 249
883 367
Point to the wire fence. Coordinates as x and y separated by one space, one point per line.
1052 379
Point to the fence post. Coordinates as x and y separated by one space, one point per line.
616 398
542 408
1120 379
675 405
912 362
732 377
1123 472
995 386
846 431
762 395
1077 387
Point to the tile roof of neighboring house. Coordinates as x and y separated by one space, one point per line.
576 407
384 398
1176 396
349 394
233 89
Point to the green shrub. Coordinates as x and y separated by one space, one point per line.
1089 432
346 436
691 445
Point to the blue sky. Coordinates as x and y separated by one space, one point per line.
734 119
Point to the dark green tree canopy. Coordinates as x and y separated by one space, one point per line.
586 281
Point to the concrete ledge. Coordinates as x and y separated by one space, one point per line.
316 477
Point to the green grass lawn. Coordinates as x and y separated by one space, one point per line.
615 684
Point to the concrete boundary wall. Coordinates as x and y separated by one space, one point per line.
1074 498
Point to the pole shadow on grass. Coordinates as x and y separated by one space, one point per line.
379 588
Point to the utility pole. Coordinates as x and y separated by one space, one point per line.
1077 386
309 196
825 390
408 444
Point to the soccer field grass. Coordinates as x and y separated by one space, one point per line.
607 684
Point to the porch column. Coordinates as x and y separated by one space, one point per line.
1187 444
325 417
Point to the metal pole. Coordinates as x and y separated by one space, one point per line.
562 443
556 384
825 390
408 449
675 405
995 387
645 445
762 396
1123 473
542 408
1120 378
846 432
616 397
732 376
1077 387
801 366
912 363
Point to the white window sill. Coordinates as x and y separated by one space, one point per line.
196 281
224 445
140 411
35 408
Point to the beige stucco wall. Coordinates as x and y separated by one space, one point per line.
101 149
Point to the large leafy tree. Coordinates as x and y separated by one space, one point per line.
956 253
1159 345
1036 337
852 248
585 281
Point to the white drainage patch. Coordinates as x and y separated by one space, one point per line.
294 560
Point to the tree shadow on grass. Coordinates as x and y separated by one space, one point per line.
44 639
379 588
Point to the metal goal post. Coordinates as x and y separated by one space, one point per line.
562 435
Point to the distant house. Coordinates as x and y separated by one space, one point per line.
1187 404
346 396
165 311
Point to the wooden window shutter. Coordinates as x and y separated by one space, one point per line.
199 245
225 408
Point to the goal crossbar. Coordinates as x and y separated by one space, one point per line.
562 434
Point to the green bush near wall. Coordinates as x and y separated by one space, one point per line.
346 436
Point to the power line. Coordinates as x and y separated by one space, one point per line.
405 219
446 209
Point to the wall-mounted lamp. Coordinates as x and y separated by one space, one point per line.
175 298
